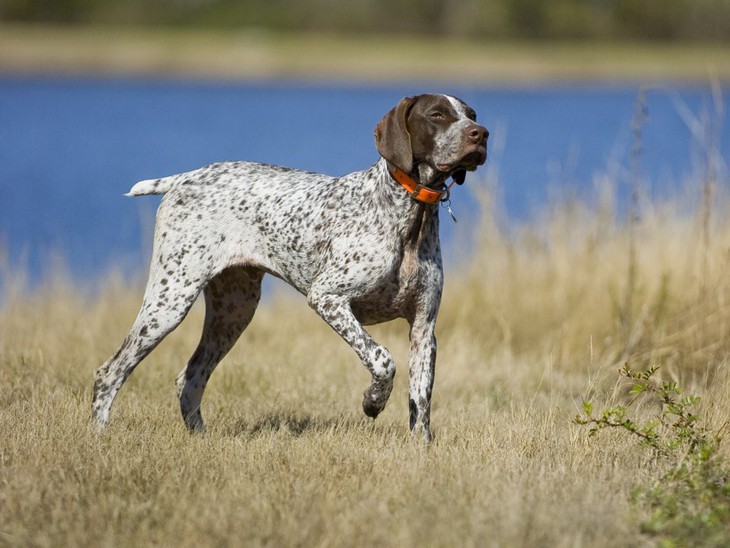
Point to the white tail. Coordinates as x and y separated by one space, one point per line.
151 186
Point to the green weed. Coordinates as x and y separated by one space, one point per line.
687 503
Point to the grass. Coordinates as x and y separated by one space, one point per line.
530 328
534 325
288 460
254 54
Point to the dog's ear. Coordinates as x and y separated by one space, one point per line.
459 176
392 138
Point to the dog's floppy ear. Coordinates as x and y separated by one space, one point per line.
392 138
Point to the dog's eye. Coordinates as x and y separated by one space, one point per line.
437 115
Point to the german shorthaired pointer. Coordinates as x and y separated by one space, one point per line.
364 248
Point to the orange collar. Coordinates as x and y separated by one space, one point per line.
417 191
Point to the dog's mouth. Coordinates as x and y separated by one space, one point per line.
469 162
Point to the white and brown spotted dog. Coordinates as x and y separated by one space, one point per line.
364 248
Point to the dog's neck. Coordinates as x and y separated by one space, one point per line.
430 176
411 183
414 219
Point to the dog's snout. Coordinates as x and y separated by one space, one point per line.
477 133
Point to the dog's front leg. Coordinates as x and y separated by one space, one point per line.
421 369
336 311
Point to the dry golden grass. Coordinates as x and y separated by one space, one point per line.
533 324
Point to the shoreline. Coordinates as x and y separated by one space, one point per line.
257 55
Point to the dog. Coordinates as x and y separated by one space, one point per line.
363 248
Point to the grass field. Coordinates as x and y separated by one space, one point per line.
536 322
257 54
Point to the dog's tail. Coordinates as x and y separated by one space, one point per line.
149 187
152 186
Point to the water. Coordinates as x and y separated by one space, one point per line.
69 149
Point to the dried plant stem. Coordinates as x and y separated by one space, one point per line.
637 123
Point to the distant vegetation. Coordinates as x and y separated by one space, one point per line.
690 20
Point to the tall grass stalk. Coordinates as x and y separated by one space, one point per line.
627 314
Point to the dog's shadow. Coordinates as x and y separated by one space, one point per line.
296 425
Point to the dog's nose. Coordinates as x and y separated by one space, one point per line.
477 133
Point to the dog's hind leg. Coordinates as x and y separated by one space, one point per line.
166 303
230 302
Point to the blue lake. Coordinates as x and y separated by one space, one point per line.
70 148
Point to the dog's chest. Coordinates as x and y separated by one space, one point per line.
394 292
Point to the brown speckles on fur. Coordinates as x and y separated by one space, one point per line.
359 248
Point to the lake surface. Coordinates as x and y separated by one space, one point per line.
70 149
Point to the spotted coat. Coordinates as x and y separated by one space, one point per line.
359 247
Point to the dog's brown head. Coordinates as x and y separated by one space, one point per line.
434 137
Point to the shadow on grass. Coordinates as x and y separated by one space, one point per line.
298 425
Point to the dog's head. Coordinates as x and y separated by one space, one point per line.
433 136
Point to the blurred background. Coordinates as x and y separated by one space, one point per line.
97 94
696 20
